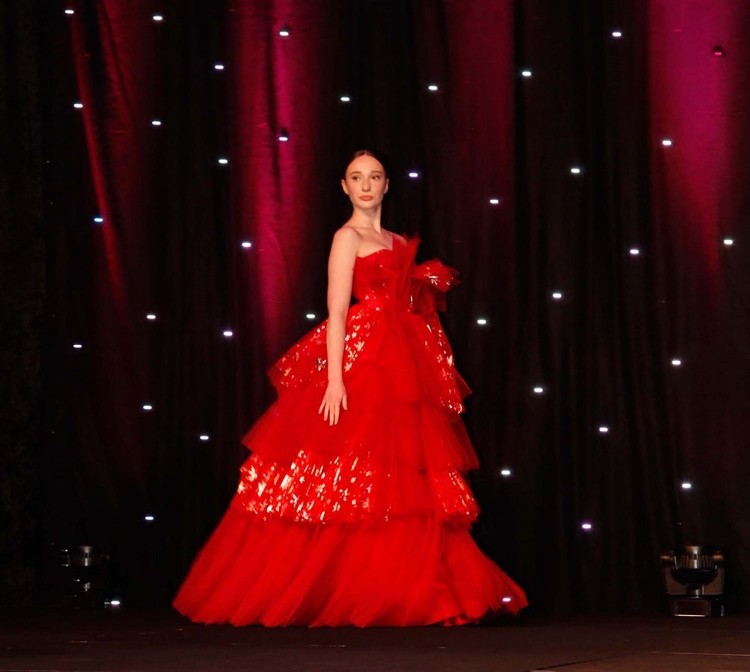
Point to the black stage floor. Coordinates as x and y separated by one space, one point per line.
46 640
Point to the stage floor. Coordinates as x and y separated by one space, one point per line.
47 640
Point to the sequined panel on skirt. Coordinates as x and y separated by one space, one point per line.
347 488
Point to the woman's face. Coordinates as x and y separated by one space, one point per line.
365 182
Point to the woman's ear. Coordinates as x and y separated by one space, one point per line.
387 184
343 186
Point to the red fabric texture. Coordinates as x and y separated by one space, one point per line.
366 522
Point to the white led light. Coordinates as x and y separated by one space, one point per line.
218 66
557 295
204 437
99 220
310 316
114 603
432 87
506 472
616 33
687 485
246 244
155 122
494 201
228 333
538 390
634 251
676 362
158 17
667 142
481 321
345 99
151 316
413 174
285 32
147 407
148 518
526 73
587 527
603 429
728 242
283 138
70 12
77 346
575 170
223 161
507 599
78 106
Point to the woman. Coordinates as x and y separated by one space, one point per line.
352 508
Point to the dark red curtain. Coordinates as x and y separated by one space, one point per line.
210 144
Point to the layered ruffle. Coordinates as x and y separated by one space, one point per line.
414 571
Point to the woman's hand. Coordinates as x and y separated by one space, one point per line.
333 400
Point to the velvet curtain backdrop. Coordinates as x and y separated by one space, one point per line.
174 219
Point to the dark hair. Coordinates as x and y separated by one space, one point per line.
378 156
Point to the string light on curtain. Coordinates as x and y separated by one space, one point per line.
204 437
667 142
728 242
286 31
158 17
246 244
70 12
557 296
151 317
227 333
617 34
149 518
494 201
676 362
218 66
686 485
718 51
147 407
538 390
98 220
310 316
345 99
505 472
77 346
413 174
223 161
482 321
283 136
634 251
78 106
526 73
586 526
432 87
575 170
155 122
603 429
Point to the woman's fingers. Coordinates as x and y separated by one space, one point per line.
331 409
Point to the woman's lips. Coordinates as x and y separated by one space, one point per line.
365 198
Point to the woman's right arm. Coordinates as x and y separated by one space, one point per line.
340 272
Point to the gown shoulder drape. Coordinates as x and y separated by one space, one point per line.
366 522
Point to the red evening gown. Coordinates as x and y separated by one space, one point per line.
365 523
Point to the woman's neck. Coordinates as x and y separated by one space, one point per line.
366 220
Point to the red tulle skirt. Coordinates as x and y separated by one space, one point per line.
365 523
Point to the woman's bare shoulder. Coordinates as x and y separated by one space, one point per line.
346 239
399 237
